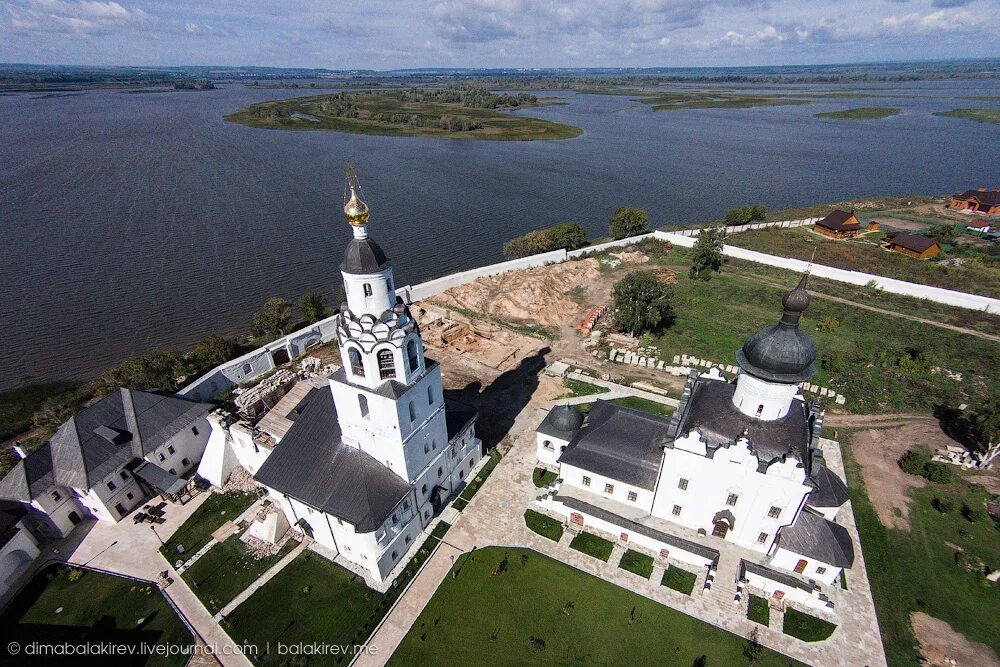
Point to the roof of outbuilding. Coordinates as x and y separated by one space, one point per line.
831 491
914 242
838 221
363 256
620 443
314 466
813 536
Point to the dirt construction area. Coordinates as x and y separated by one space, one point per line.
943 647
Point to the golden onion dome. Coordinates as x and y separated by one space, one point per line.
356 210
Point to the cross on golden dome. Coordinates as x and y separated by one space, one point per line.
355 208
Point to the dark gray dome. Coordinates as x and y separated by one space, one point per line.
782 353
566 418
363 256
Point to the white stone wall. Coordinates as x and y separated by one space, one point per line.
16 556
573 476
785 559
549 455
101 500
771 398
187 444
790 593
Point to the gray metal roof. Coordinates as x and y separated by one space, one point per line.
620 443
641 529
831 491
393 389
101 438
774 575
781 352
813 536
313 465
711 412
362 256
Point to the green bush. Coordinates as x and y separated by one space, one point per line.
541 477
914 461
641 303
626 222
679 580
568 236
744 215
939 473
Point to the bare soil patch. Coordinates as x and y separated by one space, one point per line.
943 647
898 223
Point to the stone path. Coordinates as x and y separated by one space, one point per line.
495 517
263 579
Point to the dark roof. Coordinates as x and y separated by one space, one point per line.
10 514
781 352
363 256
830 489
813 536
774 575
838 221
711 412
991 197
99 439
641 529
458 416
561 422
914 242
620 443
314 466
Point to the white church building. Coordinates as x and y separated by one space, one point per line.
738 461
375 451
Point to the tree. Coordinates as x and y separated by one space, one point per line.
213 351
986 420
568 235
626 222
752 650
641 303
708 253
154 370
532 243
744 215
914 460
313 307
272 320
942 233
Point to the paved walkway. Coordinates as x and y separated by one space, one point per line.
263 579
614 391
495 517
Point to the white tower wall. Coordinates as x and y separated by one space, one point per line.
761 399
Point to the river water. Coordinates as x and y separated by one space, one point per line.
137 222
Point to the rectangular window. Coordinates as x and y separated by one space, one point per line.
124 475
731 500
162 457
194 429
774 512
632 496
171 450
677 510
129 495
185 461
820 570
56 497
111 486
682 484
762 538
609 488
586 481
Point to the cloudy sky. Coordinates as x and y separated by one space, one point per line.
382 34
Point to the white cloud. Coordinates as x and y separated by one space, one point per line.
88 17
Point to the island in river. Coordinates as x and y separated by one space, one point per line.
461 113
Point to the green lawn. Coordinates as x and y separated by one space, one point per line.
805 627
97 607
919 571
196 532
543 525
226 570
580 388
473 486
679 580
637 563
592 545
542 477
758 610
645 405
540 611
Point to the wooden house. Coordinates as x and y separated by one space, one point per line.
839 225
914 245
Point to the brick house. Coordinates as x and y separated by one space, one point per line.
983 201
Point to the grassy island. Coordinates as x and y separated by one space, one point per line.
978 115
461 113
673 101
860 113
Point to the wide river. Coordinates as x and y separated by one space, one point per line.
138 222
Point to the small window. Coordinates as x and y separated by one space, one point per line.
434 445
406 504
426 448
762 538
368 289
760 409
340 521
124 475
56 496
547 444
413 412
129 495
440 472
194 430
395 556
407 539
386 364
430 395
820 570
173 471
413 358
363 405
395 519
677 510
586 481
774 512
731 500
682 484
357 365
185 461
461 474
609 488
632 496
423 489
162 457
111 486
171 450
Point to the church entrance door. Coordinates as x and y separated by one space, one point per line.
721 528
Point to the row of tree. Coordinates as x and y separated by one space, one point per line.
567 236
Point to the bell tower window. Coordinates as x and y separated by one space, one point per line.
357 366
411 354
363 404
760 409
386 365
367 289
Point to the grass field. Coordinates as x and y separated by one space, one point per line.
805 627
197 530
978 115
673 101
540 611
637 563
495 124
53 609
679 579
919 571
860 113
542 477
645 405
543 525
581 388
228 569
592 545
758 610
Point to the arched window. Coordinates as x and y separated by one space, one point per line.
411 355
363 404
386 365
430 395
368 289
413 412
760 409
357 366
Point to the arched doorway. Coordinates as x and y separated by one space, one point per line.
722 523
73 517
